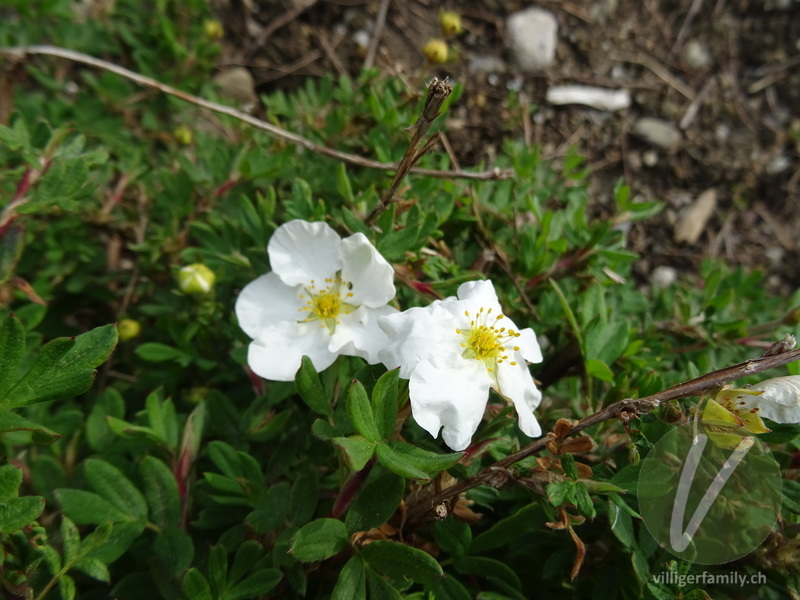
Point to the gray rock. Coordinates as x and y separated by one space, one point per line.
532 36
696 55
663 276
693 220
657 132
236 83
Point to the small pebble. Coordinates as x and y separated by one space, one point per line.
663 276
657 132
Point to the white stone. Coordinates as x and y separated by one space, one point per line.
693 220
696 55
532 36
657 132
600 98
663 276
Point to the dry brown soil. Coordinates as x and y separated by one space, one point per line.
736 107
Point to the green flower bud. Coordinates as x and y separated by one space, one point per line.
128 329
435 51
196 279
183 135
450 23
213 29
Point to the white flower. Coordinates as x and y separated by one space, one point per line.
322 299
452 352
779 399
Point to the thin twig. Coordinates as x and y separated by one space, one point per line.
18 53
419 512
377 33
276 24
660 71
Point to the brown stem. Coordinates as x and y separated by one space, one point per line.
438 91
18 53
419 513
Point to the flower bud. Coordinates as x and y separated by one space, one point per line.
127 329
196 279
435 51
213 29
183 135
450 23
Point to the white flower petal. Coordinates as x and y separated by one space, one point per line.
358 334
780 401
264 302
367 270
517 385
301 252
529 345
450 393
416 334
276 353
481 292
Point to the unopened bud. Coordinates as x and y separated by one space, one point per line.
183 135
213 29
436 51
196 279
128 329
450 23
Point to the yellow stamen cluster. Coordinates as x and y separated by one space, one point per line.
485 341
328 302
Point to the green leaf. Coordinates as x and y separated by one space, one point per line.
621 525
560 492
174 550
599 369
195 585
453 535
12 347
319 540
162 419
507 529
12 242
428 462
357 450
584 501
66 586
377 500
343 184
110 483
402 562
397 463
218 568
247 556
380 589
606 341
351 584
304 497
384 403
791 495
10 480
94 568
568 464
86 508
70 539
255 586
63 368
310 388
487 568
157 352
360 412
161 491
16 513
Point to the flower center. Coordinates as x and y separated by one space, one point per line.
325 304
485 341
